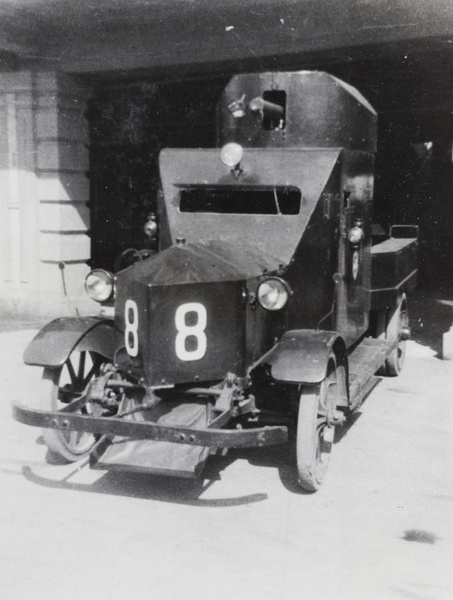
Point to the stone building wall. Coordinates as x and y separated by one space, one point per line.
44 191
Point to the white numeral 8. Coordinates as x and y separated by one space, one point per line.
185 331
131 331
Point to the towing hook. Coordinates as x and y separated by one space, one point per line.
335 417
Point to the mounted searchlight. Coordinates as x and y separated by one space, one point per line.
231 155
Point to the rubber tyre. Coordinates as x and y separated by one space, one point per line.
390 324
314 437
58 387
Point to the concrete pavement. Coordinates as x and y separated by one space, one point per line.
381 527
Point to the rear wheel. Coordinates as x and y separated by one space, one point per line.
316 423
393 326
62 385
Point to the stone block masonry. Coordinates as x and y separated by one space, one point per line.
44 217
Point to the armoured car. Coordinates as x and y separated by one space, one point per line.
266 315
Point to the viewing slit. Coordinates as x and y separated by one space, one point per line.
283 200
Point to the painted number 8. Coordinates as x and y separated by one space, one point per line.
196 331
131 331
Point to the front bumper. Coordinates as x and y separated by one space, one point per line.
111 426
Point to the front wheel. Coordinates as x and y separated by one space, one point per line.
59 387
316 421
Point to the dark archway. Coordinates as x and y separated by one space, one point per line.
129 126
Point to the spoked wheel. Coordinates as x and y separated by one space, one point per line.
393 325
59 387
316 423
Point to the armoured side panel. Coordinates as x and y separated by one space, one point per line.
271 235
315 261
354 260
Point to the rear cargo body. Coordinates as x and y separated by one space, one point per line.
394 270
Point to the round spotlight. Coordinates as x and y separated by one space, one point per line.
99 285
273 293
231 154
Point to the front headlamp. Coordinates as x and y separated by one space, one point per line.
356 235
273 293
99 285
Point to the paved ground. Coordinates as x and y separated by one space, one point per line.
381 527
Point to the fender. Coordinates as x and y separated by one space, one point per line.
301 355
55 342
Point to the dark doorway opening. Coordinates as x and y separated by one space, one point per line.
129 125
414 185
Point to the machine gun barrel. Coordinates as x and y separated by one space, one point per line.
266 108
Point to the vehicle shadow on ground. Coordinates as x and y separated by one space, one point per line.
431 315
145 487
283 457
179 490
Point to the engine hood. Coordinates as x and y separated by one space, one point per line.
201 262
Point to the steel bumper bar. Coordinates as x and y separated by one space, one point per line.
213 438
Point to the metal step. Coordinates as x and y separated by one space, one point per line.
151 456
364 361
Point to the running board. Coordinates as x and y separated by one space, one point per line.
364 361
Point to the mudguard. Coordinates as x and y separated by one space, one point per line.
54 343
301 355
